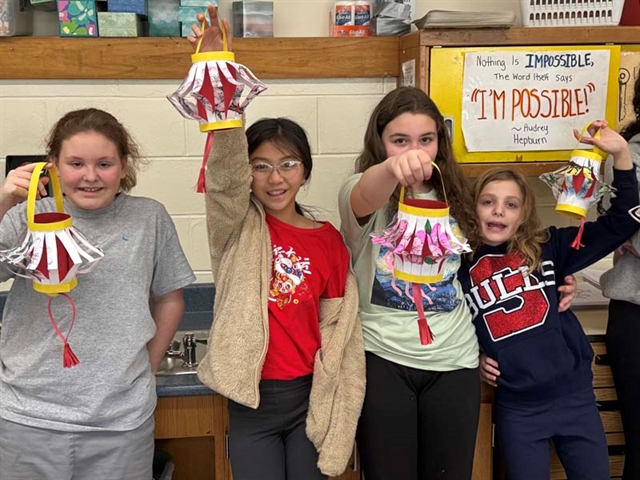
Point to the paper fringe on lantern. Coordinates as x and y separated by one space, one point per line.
52 253
217 84
577 186
421 240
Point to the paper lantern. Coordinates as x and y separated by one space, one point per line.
220 90
52 253
421 240
577 185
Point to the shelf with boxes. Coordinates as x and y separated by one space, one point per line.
141 18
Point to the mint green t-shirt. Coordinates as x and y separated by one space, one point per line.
387 311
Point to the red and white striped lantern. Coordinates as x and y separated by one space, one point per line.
215 92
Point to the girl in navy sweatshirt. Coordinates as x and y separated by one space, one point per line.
539 358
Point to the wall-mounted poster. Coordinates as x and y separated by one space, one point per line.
511 104
519 100
629 71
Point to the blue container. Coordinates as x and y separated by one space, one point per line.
128 6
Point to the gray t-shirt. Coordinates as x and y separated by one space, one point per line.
622 282
388 314
112 388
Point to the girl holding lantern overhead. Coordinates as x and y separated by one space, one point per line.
540 359
420 414
96 418
286 344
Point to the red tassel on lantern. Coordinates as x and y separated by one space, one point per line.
201 187
577 242
69 358
426 335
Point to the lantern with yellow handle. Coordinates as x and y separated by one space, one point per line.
52 253
220 89
578 185
421 240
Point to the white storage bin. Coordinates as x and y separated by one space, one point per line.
570 13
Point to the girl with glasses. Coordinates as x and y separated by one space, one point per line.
285 345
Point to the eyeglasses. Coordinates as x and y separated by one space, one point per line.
263 169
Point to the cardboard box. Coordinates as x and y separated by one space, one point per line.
252 19
15 18
163 18
351 31
77 18
188 14
119 24
46 5
128 6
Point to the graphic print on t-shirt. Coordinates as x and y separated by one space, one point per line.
288 282
510 301
388 291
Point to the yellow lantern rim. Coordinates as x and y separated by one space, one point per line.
572 211
408 277
53 290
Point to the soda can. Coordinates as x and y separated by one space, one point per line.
362 13
343 12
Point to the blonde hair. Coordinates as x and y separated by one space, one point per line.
530 233
99 121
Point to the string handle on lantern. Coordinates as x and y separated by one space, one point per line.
225 47
33 191
596 150
444 190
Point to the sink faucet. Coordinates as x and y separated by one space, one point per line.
189 350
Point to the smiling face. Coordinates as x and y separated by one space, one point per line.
411 131
276 190
90 170
499 210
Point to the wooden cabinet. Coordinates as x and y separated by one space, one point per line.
419 51
193 430
609 413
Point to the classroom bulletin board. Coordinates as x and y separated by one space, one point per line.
515 104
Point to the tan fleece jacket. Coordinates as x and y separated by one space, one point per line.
241 258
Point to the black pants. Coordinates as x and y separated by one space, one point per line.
418 424
623 350
270 443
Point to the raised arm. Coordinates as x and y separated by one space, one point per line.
228 175
378 183
611 230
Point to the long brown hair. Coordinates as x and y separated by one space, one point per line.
530 233
99 121
415 101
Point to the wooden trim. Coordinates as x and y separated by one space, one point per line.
421 56
169 58
529 169
186 417
522 36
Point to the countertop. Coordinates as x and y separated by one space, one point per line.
198 316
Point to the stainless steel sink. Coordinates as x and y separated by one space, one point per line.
184 353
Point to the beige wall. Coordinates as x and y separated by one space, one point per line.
334 113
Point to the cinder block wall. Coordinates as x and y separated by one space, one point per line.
334 113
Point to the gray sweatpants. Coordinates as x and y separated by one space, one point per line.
28 453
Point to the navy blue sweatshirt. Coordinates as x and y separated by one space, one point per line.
541 352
